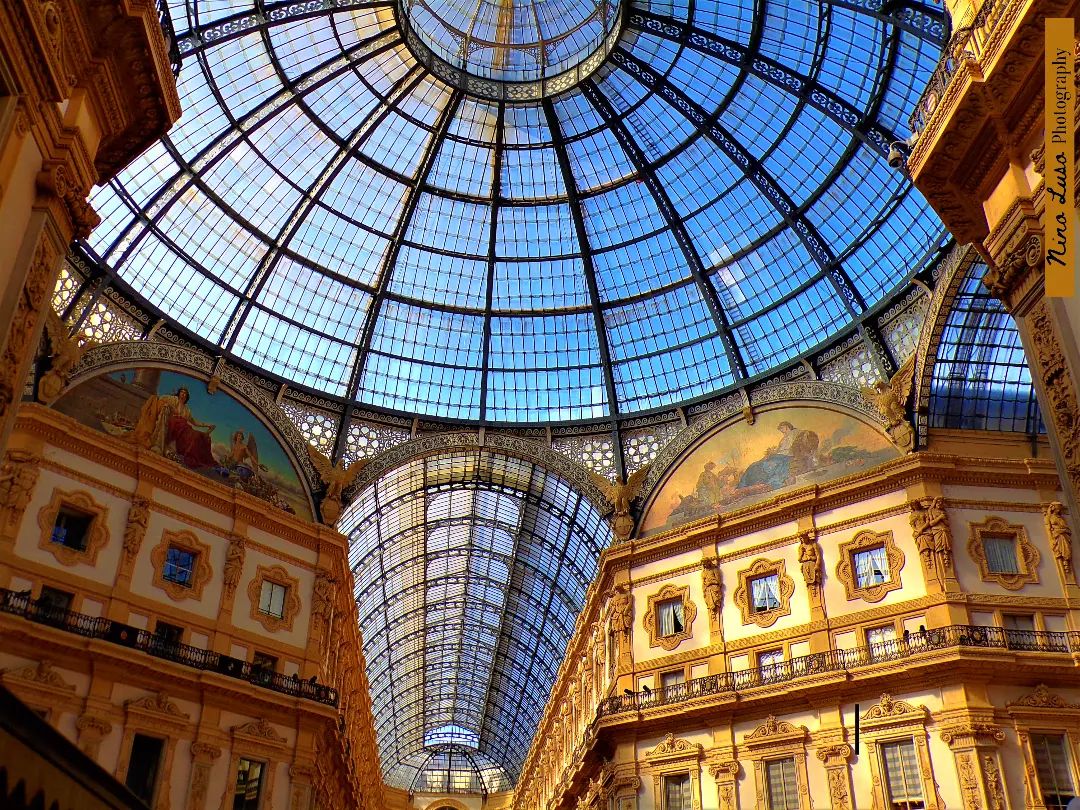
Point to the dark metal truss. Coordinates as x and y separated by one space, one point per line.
200 37
805 88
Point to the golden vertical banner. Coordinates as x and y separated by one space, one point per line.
1060 175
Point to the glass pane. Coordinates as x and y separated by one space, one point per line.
783 792
1001 555
902 774
248 785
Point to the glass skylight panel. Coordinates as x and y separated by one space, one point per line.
854 55
658 127
203 117
704 79
802 160
454 225
791 32
651 259
531 173
241 71
750 284
309 164
598 160
622 214
795 325
759 115
734 20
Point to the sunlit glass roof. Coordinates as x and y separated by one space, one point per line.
470 568
711 201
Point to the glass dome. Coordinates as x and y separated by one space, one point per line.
703 203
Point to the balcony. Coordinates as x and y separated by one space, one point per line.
953 637
93 627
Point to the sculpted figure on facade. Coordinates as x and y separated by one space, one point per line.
1060 535
810 559
337 478
18 476
930 527
890 398
714 595
234 563
322 599
65 354
138 518
622 617
620 493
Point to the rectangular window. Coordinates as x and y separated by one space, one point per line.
248 785
879 640
782 792
770 662
1020 632
272 599
143 766
676 677
179 566
871 567
71 528
677 792
900 763
669 617
1052 769
166 633
1001 554
765 593
264 662
54 600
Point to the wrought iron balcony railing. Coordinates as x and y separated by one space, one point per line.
953 636
965 44
21 604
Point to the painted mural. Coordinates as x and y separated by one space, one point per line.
172 414
784 448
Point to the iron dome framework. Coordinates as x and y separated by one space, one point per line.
331 213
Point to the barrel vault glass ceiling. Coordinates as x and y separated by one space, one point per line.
470 570
577 211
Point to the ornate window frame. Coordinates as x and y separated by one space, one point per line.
675 757
155 716
257 741
199 577
278 575
1043 711
889 721
666 593
778 739
845 569
97 533
785 586
1027 555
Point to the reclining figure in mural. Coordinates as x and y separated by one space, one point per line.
167 426
794 455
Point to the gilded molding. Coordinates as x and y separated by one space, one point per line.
200 575
785 588
845 568
1027 555
291 607
97 533
649 620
